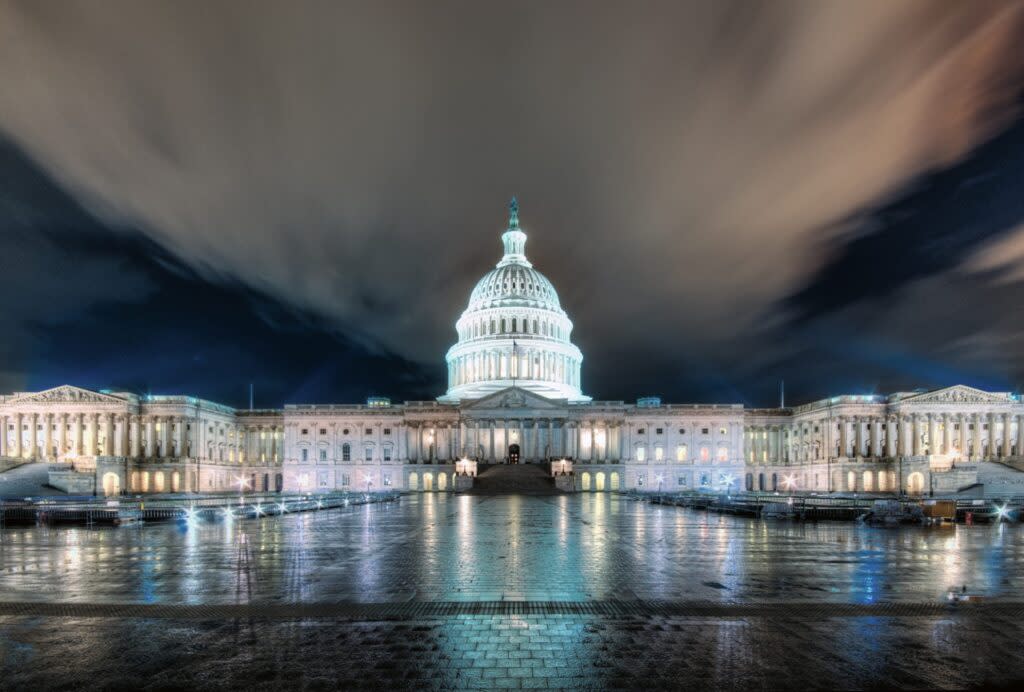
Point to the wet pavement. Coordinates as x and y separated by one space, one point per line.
444 591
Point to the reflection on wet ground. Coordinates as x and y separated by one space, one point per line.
572 549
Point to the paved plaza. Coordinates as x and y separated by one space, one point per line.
441 591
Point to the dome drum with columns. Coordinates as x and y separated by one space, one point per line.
514 332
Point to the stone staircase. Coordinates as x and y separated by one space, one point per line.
514 479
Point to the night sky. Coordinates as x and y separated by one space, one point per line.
195 196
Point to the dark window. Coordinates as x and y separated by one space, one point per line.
703 431
305 431
323 431
682 431
641 431
345 431
659 431
387 431
369 431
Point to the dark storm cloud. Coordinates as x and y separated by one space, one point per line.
676 162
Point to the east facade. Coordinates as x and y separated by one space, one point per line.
514 396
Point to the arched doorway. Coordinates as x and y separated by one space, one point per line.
442 481
851 481
613 481
428 481
868 479
158 482
760 481
278 482
513 454
775 482
175 482
585 480
414 481
915 483
599 480
111 483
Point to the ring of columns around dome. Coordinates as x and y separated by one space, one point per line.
514 394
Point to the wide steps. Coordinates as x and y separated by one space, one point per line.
514 479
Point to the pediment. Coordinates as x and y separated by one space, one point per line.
66 394
514 398
959 394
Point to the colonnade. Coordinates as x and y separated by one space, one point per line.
526 364
538 438
52 436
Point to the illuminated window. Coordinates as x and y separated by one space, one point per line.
387 479
705 454
639 479
681 453
721 431
659 453
641 453
723 454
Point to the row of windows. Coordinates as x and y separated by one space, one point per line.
346 453
682 453
346 431
682 431
514 325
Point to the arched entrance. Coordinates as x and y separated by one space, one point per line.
513 454
915 483
613 481
414 481
599 480
867 478
428 481
585 480
442 481
111 484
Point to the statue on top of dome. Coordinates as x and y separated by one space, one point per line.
513 213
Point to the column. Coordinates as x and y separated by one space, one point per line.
48 419
78 433
844 438
134 438
491 429
915 432
964 452
119 427
890 437
108 434
3 436
34 436
578 445
876 437
993 450
933 433
1007 440
18 451
947 436
1020 436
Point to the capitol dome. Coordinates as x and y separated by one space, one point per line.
514 332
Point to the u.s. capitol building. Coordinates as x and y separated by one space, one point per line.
514 395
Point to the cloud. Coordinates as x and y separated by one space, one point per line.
676 162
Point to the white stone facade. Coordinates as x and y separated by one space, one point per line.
514 394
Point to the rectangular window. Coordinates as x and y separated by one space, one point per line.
681 453
369 454
387 454
387 479
305 431
682 481
641 431
346 453
721 431
639 479
703 431
305 455
641 453
323 455
659 453
659 431
344 479
369 431
323 431
387 431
